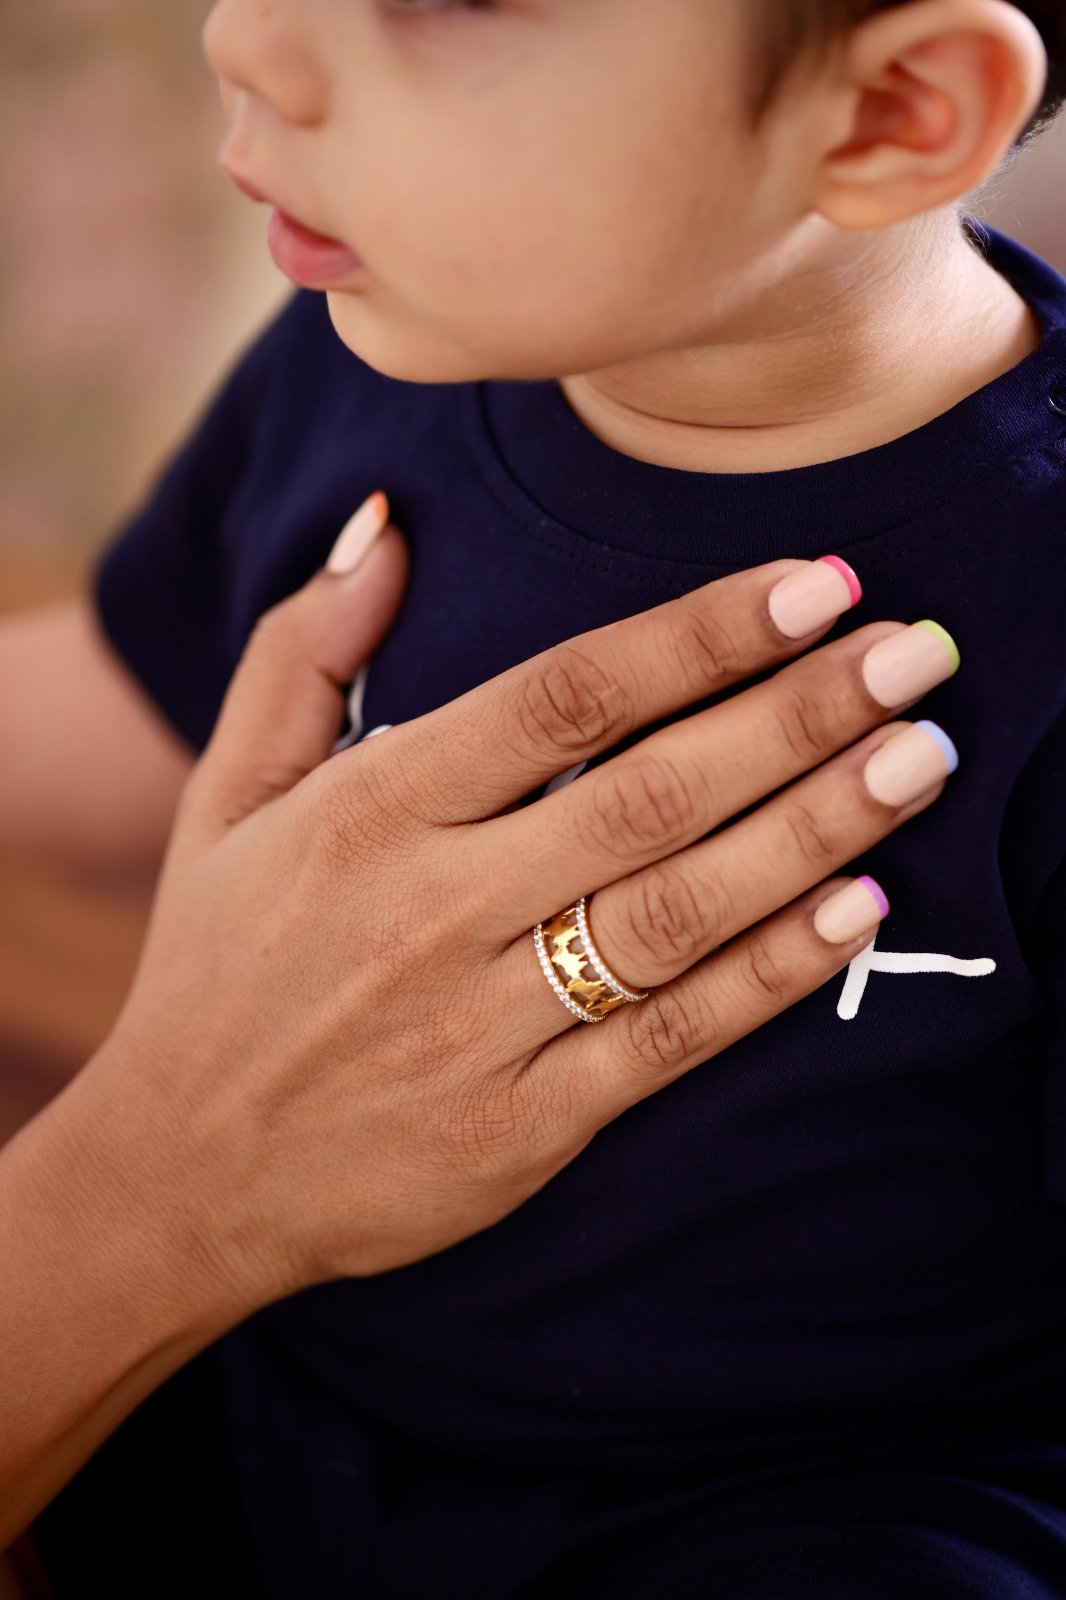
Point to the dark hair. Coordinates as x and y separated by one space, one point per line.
789 29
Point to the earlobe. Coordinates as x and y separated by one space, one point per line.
939 91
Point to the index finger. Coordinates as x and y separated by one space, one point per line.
499 741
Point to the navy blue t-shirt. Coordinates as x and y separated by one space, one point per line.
795 1325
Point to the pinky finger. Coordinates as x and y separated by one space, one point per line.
596 1073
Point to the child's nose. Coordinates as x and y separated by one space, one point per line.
264 50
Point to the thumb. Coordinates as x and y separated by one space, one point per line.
283 707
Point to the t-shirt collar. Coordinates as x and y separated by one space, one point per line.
581 482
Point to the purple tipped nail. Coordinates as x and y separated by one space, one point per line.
877 892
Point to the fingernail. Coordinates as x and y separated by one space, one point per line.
359 533
904 666
909 763
857 908
813 595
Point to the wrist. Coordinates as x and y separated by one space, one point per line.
110 1282
114 1176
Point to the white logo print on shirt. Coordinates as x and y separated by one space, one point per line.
859 968
869 960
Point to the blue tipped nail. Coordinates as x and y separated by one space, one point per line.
951 755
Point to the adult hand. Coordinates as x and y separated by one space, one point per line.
339 1035
339 1054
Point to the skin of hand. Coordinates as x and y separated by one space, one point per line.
338 1053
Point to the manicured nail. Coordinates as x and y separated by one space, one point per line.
908 663
813 596
857 908
909 763
359 533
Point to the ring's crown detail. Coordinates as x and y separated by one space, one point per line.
576 970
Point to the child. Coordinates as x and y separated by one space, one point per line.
796 1325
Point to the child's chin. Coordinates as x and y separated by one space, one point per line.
409 354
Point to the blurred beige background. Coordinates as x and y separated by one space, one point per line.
130 273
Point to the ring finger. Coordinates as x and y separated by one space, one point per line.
653 925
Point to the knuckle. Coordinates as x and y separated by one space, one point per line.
359 818
347 824
641 804
396 782
430 1044
568 704
663 1032
761 973
439 1033
707 651
666 915
482 1127
810 837
805 723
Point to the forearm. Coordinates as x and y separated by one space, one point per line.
108 1287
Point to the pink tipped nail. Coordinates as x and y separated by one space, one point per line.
849 577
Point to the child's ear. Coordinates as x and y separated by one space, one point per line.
935 93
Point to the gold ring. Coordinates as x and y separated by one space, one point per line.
575 969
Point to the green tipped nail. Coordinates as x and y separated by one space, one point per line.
945 639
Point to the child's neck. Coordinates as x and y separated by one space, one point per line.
921 321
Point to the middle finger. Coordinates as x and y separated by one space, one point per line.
685 780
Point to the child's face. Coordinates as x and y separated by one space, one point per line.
536 187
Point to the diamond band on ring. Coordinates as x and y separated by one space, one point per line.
575 969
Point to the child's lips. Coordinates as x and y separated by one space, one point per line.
309 258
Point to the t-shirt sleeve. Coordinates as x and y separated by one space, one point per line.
161 586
